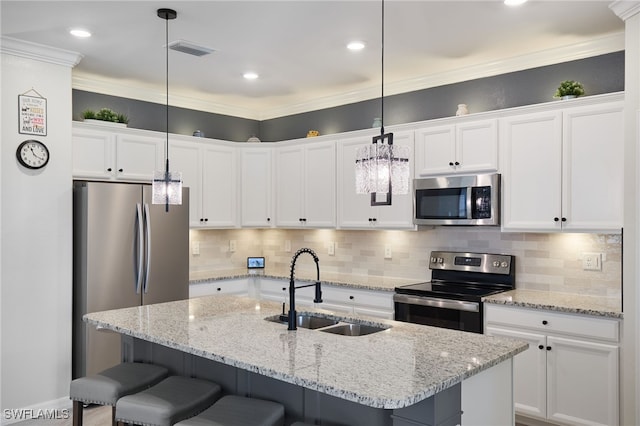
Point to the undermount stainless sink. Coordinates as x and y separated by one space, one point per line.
306 321
353 329
330 325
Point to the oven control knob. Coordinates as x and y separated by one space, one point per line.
440 260
496 264
433 260
504 264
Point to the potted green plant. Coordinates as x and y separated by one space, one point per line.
569 89
105 115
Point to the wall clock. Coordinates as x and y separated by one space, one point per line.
32 154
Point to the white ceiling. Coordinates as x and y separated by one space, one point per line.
298 47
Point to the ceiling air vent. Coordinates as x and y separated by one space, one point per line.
190 48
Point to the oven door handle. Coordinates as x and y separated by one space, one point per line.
458 305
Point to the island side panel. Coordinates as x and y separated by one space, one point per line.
487 397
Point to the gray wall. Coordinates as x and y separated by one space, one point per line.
599 74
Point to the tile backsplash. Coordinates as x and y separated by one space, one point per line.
543 261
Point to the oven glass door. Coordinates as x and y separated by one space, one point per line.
457 315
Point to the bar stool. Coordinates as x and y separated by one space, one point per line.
173 399
106 387
232 410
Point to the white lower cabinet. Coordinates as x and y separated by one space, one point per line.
570 372
237 286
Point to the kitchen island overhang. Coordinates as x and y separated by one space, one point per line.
388 370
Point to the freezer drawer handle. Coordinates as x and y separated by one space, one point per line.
148 243
139 224
435 302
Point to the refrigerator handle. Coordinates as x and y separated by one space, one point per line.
139 224
148 244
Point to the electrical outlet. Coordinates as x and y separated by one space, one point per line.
592 261
332 248
287 246
387 252
195 248
232 246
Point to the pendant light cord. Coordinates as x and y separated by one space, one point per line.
166 152
382 76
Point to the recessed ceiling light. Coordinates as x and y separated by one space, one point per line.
79 32
355 45
250 75
514 2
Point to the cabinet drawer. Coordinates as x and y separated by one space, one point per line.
358 297
238 287
553 322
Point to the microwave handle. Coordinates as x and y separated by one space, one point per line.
469 201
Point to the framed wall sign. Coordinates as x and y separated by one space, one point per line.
32 114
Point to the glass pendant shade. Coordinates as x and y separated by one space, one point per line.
167 187
381 167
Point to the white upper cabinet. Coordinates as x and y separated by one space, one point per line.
105 154
256 186
355 210
466 147
305 184
210 170
563 170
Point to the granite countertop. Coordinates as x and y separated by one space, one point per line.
368 282
563 302
390 369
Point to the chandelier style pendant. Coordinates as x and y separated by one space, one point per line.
382 168
167 185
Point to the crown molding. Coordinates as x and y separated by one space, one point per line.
625 9
39 52
144 92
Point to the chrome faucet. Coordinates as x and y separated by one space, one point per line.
292 287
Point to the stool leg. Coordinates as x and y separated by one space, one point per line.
113 416
77 413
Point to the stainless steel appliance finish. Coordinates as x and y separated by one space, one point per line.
127 252
453 297
457 200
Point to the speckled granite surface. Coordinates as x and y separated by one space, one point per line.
345 280
394 368
562 302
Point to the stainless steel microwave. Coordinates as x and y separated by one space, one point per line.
457 200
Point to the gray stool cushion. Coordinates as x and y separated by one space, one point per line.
173 399
234 410
123 379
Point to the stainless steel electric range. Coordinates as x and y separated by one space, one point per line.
453 297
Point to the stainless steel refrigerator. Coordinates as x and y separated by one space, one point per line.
127 252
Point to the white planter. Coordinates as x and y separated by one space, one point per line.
104 123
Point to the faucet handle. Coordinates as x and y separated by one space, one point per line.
318 298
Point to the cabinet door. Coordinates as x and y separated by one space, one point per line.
219 186
582 382
289 185
256 186
185 157
319 192
532 172
529 372
593 174
399 215
354 210
477 147
435 150
137 157
93 154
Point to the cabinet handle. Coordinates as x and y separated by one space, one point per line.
545 322
556 219
284 289
540 347
457 163
109 169
374 219
548 348
268 219
219 289
564 219
451 163
351 297
120 170
370 219
206 219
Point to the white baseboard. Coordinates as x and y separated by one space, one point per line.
54 409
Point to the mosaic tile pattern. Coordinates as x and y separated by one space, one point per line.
390 369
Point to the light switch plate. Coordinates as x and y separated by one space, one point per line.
332 248
195 248
232 246
287 246
387 252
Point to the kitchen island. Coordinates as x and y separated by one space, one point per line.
406 374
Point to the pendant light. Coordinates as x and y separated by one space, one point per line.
382 168
167 186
